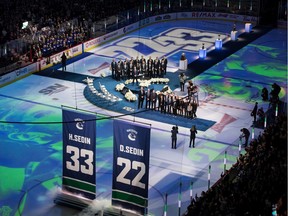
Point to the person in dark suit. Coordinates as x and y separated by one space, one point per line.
141 96
63 61
118 71
189 109
161 102
182 79
176 109
174 105
148 99
125 69
156 67
189 88
144 68
193 132
135 74
162 68
130 71
153 100
194 109
137 61
164 104
170 103
121 74
113 68
174 133
143 65
150 68
165 64
185 105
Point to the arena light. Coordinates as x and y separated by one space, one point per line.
24 24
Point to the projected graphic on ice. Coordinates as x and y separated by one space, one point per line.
31 146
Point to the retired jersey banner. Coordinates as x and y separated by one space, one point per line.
130 166
79 144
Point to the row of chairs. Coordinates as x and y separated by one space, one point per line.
93 89
104 92
108 95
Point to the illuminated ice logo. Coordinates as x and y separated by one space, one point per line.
132 134
79 123
164 42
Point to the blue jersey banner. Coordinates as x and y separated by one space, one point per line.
130 166
79 144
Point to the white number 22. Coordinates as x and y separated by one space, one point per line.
127 167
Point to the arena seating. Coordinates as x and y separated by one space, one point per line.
257 181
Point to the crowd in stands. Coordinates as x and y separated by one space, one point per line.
257 181
57 24
52 25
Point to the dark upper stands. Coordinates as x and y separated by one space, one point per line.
53 25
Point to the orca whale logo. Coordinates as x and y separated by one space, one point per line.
132 134
79 123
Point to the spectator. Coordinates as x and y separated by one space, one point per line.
261 116
256 181
63 61
274 94
245 134
254 112
264 94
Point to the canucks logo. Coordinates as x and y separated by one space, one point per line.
132 134
79 123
